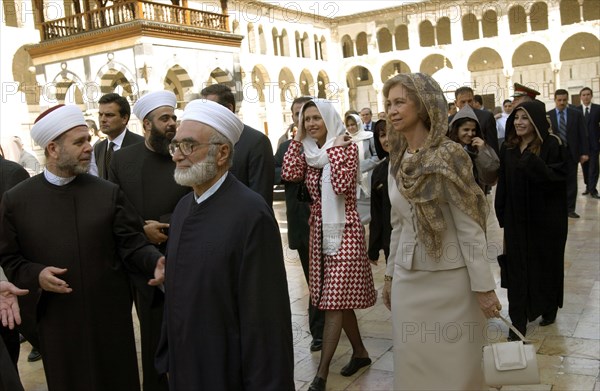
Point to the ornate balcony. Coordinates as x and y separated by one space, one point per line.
130 19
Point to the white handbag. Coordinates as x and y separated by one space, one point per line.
510 363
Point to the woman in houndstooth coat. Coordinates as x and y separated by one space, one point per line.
340 274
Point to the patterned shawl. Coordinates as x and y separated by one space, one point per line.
441 169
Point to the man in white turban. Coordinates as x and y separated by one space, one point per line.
226 290
144 172
74 263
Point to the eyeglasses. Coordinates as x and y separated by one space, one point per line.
186 147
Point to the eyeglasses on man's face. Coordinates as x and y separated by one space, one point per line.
186 147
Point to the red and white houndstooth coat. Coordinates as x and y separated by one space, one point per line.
344 280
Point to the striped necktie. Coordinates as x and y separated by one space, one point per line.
562 126
108 158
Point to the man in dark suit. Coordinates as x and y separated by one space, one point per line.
253 162
464 96
591 118
569 125
113 116
366 115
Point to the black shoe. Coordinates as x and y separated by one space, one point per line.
573 215
596 196
354 365
547 322
21 338
318 384
34 355
585 193
316 345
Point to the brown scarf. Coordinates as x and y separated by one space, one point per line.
441 169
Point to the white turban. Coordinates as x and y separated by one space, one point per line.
216 116
54 122
153 100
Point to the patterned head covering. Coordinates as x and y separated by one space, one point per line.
441 169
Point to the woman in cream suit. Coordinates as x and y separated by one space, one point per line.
438 282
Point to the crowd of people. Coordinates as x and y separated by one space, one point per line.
179 222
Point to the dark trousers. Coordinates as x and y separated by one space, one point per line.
12 343
316 317
9 378
571 183
590 173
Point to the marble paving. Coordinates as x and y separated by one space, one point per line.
568 351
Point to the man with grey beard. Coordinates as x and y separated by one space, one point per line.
227 320
144 172
69 237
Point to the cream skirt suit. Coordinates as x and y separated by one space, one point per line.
438 327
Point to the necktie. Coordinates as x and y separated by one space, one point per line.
108 158
562 126
587 111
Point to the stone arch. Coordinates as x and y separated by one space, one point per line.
220 76
326 90
392 68
323 47
442 31
284 43
251 39
569 12
262 41
433 63
384 40
489 24
307 83
517 20
276 42
260 79
360 87
484 59
470 27
67 88
114 75
426 34
289 87
235 27
362 46
178 80
347 46
530 53
401 37
591 10
580 45
538 16
23 72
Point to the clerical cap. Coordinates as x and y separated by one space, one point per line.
152 101
216 116
54 122
521 90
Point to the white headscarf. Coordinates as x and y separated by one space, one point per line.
152 101
358 138
216 116
332 205
54 122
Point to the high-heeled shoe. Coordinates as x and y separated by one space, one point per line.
318 384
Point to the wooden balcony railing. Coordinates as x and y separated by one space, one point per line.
131 10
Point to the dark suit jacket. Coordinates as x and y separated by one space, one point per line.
253 162
577 140
101 146
11 173
487 123
592 123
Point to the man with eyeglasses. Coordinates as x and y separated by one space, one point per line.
227 310
144 172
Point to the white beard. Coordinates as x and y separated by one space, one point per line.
198 174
